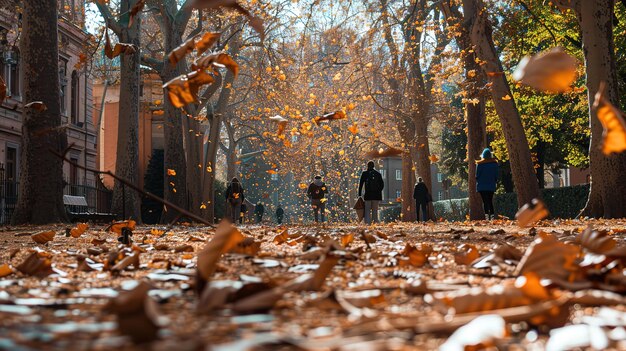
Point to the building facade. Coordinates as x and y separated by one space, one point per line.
76 105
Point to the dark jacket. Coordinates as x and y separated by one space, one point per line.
234 189
420 193
259 209
374 185
280 212
486 174
316 190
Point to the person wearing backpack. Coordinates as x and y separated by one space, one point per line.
486 180
422 198
280 213
316 192
373 183
234 199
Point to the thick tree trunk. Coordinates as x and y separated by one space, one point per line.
408 182
175 187
231 162
193 137
476 132
126 201
517 145
421 153
41 174
608 181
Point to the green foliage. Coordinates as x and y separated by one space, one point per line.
566 202
153 183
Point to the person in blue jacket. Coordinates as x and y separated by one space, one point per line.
486 179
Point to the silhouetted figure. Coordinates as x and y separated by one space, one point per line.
317 193
280 213
422 198
374 185
259 209
234 199
486 179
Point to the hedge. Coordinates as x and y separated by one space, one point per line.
565 202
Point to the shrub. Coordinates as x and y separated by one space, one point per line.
390 214
565 202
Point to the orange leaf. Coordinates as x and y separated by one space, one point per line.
216 60
466 254
354 129
117 226
171 172
183 89
5 270
206 42
381 153
43 237
37 106
78 230
531 213
612 119
181 51
139 5
550 71
433 158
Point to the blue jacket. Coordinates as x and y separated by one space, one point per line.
486 174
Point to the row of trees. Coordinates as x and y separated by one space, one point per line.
392 66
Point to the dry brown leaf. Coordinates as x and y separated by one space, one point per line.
594 241
183 90
466 254
226 237
255 22
117 226
330 116
43 237
120 48
552 71
182 50
181 248
137 314
282 123
612 119
347 239
416 257
281 238
37 106
38 264
247 247
5 270
79 230
315 281
138 7
530 213
363 298
216 60
206 42
130 260
550 259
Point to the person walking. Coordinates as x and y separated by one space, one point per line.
373 183
486 179
422 198
234 198
259 209
317 193
280 213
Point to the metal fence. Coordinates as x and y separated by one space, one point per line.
97 195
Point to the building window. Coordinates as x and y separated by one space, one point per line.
398 174
398 194
383 173
11 72
439 177
74 107
440 195
11 161
73 172
274 176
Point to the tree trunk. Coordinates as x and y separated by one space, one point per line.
607 197
175 187
231 162
408 181
516 142
476 132
193 136
41 180
126 201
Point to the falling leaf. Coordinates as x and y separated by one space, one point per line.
226 237
181 51
506 97
37 106
382 153
206 42
38 263
282 123
43 237
612 119
171 172
594 241
354 129
531 213
255 22
138 7
433 158
550 71
550 259
183 90
137 314
120 48
330 117
216 60
79 230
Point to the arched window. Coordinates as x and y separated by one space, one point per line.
74 98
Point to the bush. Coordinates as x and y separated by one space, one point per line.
566 202
390 214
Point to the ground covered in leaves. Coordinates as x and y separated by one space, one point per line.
457 286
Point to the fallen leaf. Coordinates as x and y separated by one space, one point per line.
38 264
137 314
595 241
5 270
118 226
226 237
466 254
531 213
330 117
79 230
43 237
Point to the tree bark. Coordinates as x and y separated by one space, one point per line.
126 201
607 197
408 182
40 198
517 145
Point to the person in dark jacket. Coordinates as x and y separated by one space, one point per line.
259 209
486 179
234 199
422 198
373 183
317 193
280 213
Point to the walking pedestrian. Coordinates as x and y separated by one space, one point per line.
486 179
317 193
259 209
279 214
422 198
234 199
372 180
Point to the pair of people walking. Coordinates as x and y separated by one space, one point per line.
235 200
